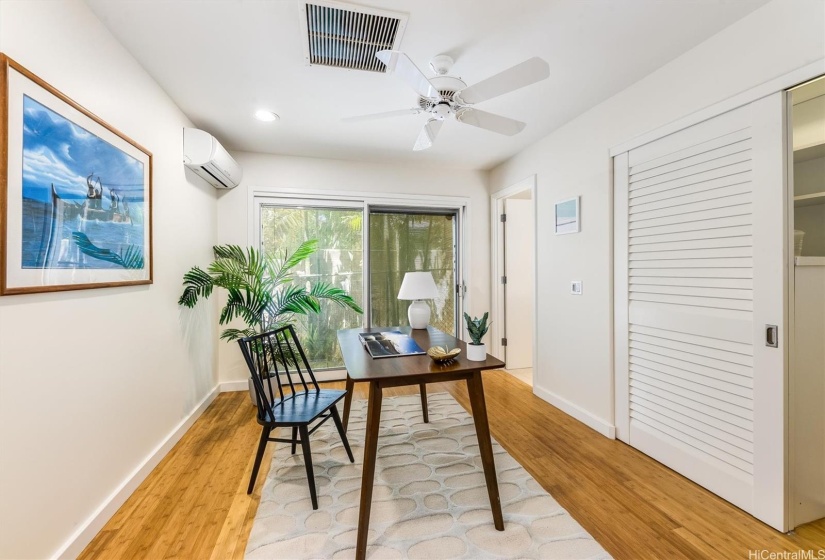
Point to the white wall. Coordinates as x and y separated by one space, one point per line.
574 369
91 382
288 172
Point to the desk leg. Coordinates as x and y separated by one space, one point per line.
422 388
348 400
485 447
368 476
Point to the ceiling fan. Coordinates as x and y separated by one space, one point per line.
443 96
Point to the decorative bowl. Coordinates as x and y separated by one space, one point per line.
442 355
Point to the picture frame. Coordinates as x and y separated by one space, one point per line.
75 193
566 216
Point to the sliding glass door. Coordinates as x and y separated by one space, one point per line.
403 241
396 239
339 261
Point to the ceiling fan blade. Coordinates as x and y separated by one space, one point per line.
387 114
400 64
517 77
490 121
427 135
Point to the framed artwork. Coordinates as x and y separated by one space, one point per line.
567 216
75 194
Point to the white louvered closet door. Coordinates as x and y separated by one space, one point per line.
699 260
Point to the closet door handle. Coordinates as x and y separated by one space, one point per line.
772 336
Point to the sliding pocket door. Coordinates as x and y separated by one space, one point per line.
700 314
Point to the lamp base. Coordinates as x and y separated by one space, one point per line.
419 314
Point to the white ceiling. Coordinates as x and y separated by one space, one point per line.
222 60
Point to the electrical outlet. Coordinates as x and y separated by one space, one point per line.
576 287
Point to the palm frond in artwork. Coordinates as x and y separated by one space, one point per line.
132 258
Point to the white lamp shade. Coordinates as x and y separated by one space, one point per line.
418 285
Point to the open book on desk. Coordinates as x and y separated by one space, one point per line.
389 344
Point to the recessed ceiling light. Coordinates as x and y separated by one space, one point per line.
266 116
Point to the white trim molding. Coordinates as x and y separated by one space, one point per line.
320 377
588 419
75 544
234 386
780 83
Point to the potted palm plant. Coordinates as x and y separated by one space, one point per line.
261 289
477 328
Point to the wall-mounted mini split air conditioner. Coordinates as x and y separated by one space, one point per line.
204 155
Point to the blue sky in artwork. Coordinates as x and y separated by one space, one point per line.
57 151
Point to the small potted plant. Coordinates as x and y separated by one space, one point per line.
477 328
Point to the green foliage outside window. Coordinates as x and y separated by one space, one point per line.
337 261
399 243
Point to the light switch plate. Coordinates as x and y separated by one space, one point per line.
576 287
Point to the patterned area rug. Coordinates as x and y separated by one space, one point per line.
430 500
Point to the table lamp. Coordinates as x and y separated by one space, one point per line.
418 286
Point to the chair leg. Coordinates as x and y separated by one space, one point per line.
341 432
348 400
422 388
294 438
308 462
258 456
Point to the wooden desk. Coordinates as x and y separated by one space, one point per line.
414 370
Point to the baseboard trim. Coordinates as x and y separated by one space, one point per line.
87 531
320 376
577 412
232 386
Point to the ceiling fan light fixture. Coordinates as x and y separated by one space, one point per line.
266 116
441 111
441 64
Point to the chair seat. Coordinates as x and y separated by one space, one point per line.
303 407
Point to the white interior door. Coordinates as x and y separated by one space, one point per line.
700 274
518 264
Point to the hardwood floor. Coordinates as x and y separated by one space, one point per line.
194 504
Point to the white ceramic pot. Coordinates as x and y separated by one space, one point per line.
476 352
252 392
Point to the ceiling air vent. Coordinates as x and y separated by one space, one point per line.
345 36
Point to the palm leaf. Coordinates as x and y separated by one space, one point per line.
235 334
293 299
280 268
198 284
301 253
260 288
322 290
232 252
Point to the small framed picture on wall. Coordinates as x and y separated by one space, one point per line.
567 216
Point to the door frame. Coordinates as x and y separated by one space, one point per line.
498 326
